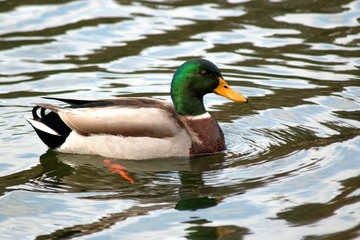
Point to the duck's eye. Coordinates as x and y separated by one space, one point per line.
203 73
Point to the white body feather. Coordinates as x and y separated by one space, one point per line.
116 146
107 129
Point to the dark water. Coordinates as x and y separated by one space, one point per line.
292 168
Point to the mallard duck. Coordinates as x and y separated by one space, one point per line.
140 128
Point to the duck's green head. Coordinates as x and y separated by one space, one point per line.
193 80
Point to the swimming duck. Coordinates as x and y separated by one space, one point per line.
140 128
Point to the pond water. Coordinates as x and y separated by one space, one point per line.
292 167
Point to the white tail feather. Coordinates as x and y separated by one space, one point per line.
41 126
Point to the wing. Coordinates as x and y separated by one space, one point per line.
124 116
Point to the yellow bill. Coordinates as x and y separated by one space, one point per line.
225 90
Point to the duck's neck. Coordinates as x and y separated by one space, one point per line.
188 105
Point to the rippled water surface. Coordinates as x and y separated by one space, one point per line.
292 167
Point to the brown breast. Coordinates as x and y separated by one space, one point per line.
207 136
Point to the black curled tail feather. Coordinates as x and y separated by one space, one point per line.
52 121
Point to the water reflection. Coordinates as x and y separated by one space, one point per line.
159 184
344 16
342 204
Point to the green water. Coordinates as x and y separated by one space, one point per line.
292 167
